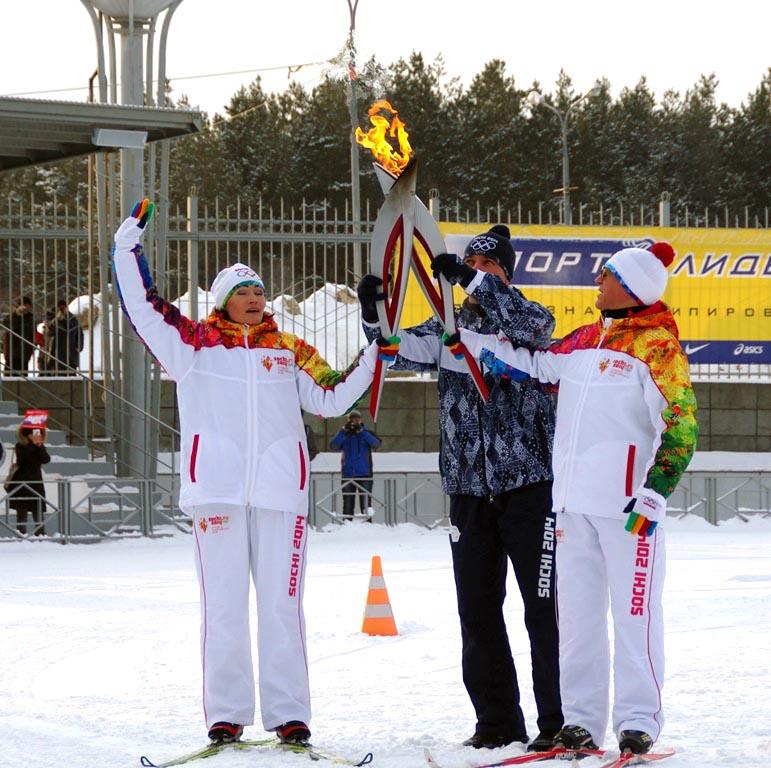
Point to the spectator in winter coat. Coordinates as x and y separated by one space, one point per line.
356 443
19 341
25 487
241 385
65 341
495 463
626 430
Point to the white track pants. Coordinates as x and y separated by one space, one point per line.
597 558
231 541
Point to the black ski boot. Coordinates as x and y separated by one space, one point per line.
225 733
493 739
294 732
574 737
636 742
544 741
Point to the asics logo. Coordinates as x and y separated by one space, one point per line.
748 349
483 244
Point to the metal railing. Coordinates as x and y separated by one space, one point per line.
93 432
719 496
89 509
49 252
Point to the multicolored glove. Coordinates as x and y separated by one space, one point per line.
389 348
129 234
644 513
369 290
453 343
455 271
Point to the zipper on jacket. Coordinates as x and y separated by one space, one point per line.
249 421
577 413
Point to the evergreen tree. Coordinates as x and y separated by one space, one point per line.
747 153
630 173
415 90
488 149
691 165
319 127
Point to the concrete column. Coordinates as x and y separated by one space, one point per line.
134 364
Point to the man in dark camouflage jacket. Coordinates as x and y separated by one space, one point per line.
495 463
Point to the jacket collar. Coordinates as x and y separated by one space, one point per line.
655 316
235 331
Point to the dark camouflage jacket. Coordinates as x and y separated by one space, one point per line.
486 448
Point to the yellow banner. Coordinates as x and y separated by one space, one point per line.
719 288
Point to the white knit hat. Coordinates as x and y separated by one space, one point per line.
229 279
642 273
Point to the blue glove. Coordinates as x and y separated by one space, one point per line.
455 271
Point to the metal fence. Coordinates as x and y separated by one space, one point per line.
88 509
49 252
92 508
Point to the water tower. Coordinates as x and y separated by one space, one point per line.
134 389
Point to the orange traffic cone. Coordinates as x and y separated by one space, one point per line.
378 616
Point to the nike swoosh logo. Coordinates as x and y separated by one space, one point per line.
689 350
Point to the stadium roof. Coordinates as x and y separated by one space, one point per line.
34 131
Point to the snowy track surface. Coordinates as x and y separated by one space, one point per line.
99 660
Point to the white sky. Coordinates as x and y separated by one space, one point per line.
50 44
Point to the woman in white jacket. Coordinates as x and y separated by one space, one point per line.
625 432
241 385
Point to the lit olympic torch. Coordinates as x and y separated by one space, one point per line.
402 217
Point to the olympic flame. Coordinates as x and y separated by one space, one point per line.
375 139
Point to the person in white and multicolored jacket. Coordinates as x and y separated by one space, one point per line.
626 430
241 385
495 464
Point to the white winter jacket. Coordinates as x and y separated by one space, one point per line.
240 391
626 423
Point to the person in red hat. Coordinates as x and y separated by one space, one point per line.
25 484
625 432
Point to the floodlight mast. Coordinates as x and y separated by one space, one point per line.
126 367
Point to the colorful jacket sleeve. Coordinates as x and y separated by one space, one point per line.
166 332
669 384
324 391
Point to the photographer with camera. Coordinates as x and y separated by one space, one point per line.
356 443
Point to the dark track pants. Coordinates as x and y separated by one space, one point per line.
351 487
518 524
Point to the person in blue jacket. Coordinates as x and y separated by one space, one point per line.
356 443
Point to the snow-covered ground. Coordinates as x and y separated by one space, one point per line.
99 656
